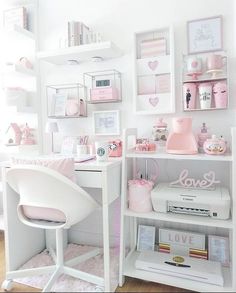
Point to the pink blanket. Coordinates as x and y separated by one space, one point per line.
67 283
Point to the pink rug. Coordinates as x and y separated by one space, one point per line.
69 284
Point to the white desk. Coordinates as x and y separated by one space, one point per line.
22 242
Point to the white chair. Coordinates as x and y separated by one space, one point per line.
49 200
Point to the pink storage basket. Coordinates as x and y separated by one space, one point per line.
139 194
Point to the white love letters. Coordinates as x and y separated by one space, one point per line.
208 181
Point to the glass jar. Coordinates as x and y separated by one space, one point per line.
160 132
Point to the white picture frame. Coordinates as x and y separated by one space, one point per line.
218 249
205 35
58 105
68 145
106 122
146 238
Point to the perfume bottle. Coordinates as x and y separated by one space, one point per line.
203 135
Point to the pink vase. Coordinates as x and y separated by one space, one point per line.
189 95
220 95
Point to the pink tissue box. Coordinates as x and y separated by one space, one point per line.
104 94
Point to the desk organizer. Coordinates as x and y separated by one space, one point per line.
66 101
103 86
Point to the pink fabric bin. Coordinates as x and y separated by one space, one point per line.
140 195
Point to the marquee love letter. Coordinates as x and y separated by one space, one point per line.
208 181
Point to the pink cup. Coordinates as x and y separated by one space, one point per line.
189 95
215 62
220 95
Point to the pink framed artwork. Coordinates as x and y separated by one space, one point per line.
205 35
218 247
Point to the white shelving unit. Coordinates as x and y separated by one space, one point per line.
127 260
19 34
154 78
18 71
82 53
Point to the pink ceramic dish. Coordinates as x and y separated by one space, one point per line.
215 146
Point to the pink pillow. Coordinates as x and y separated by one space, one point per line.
65 166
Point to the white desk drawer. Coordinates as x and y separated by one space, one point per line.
91 179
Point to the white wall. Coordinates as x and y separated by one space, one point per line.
117 20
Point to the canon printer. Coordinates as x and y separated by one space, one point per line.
213 203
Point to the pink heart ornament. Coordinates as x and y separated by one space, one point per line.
154 101
153 65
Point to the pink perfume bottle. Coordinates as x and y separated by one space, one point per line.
203 135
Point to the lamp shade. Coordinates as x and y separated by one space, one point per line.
51 127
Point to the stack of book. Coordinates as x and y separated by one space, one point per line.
15 16
78 33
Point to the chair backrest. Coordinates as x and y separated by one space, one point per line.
41 187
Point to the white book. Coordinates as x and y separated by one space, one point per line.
15 16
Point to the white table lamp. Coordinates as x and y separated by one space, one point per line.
51 127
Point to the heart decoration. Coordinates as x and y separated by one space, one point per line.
154 101
153 65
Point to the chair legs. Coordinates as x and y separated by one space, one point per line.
82 258
58 269
52 280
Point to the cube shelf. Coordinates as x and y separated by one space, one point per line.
205 88
66 101
103 86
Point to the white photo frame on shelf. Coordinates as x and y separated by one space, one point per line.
58 105
68 146
146 238
218 249
205 35
106 122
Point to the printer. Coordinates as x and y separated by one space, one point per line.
213 203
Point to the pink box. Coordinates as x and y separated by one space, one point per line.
153 47
104 94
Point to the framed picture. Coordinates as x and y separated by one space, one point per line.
106 122
68 146
146 238
218 249
205 35
58 105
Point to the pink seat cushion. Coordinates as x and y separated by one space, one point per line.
65 166
47 214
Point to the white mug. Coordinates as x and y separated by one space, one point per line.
101 149
205 95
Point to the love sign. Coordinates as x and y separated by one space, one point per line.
208 181
182 238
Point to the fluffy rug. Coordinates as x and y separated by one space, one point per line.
69 284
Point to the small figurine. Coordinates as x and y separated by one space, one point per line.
203 135
13 135
27 136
